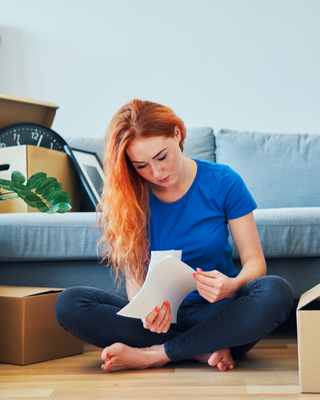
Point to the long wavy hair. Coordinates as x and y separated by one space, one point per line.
124 207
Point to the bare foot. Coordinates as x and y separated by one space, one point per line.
120 357
221 358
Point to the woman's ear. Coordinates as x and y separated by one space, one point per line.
177 133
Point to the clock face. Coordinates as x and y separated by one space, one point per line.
32 134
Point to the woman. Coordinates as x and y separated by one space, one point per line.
156 198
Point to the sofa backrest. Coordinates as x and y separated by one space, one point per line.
93 144
199 143
280 170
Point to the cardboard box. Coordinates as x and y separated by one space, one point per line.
29 331
31 159
17 109
308 323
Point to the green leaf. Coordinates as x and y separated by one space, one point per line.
64 207
7 192
24 192
42 207
55 194
5 184
44 184
17 186
53 186
17 177
54 209
35 179
60 199
8 198
32 199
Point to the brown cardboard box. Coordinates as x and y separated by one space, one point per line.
31 159
16 109
29 331
308 322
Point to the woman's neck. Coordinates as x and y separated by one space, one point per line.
176 192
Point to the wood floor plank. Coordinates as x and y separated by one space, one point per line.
26 393
273 389
268 371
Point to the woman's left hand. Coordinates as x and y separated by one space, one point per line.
214 286
159 320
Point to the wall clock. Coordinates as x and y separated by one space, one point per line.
32 134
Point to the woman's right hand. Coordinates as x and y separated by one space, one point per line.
159 320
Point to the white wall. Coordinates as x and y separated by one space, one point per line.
241 64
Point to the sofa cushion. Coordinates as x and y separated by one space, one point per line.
280 170
93 144
200 143
288 232
283 232
37 236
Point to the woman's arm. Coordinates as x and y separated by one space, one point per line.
214 285
246 239
132 288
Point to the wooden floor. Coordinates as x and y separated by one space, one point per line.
268 371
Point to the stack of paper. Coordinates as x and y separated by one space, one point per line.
168 279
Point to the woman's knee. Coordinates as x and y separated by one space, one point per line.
66 304
280 292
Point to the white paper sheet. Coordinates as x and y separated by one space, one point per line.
168 279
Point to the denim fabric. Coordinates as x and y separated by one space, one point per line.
255 311
259 307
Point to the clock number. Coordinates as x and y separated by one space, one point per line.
51 145
16 137
35 135
2 145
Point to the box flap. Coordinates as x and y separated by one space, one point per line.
17 109
22 291
309 296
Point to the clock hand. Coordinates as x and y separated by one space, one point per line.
39 141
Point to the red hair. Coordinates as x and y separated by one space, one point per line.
124 205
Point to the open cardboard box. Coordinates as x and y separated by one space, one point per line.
29 331
17 109
308 324
31 159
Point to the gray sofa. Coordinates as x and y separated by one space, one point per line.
282 171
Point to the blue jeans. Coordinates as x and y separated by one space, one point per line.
258 308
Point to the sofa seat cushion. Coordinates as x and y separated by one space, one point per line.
37 236
283 232
280 170
288 232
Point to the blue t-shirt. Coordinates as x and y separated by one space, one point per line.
197 223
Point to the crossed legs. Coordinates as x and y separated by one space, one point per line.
90 314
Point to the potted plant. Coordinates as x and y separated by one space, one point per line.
40 192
